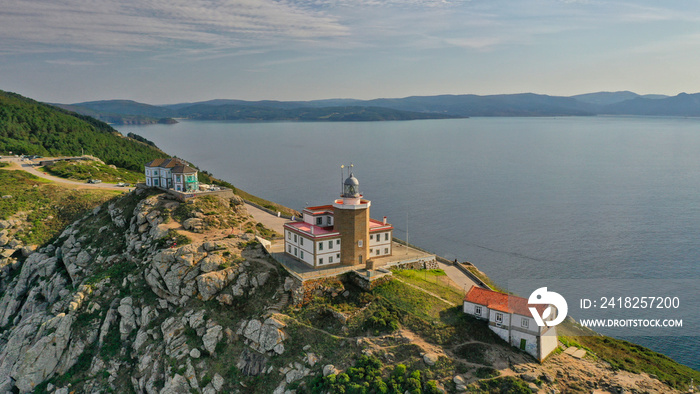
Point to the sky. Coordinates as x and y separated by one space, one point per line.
172 51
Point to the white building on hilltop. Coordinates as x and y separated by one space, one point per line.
341 233
509 317
173 174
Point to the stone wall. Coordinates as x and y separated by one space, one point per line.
303 293
368 285
182 196
417 265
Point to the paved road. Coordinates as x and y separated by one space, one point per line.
268 220
457 276
19 164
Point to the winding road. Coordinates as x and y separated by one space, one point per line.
17 163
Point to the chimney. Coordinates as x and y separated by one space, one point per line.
384 221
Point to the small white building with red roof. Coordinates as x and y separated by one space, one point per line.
509 317
339 233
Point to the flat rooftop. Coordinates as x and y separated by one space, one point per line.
311 229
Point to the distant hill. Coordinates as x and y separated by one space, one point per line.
122 112
128 107
605 98
117 111
30 127
344 114
681 105
407 108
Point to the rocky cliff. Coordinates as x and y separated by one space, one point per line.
113 303
145 294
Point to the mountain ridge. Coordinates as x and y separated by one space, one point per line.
408 108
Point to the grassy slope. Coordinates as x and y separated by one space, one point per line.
48 208
434 281
83 171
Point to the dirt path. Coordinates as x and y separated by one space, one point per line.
425 291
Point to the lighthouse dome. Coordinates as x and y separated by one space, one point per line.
351 187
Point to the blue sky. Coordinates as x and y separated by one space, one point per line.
168 51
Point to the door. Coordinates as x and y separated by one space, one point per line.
523 343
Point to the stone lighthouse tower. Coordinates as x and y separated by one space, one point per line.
351 216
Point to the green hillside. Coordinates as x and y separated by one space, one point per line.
30 127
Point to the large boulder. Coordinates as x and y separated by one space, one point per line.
193 224
41 360
211 283
212 338
265 337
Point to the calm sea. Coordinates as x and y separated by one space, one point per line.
544 198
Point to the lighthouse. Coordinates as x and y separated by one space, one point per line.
351 214
341 233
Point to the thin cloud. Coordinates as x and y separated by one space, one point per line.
68 62
138 25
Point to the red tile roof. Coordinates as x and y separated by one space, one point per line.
501 302
176 164
183 169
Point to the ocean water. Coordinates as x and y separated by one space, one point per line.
604 198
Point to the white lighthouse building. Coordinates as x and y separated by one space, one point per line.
340 233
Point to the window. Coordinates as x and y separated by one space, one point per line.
499 318
155 172
148 172
338 256
359 243
386 250
330 244
524 322
371 250
155 181
295 237
319 221
295 251
320 246
386 236
477 310
289 248
320 261
301 240
330 259
289 235
178 178
371 236
337 242
377 252
301 254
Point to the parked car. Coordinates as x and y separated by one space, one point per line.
122 184
95 181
